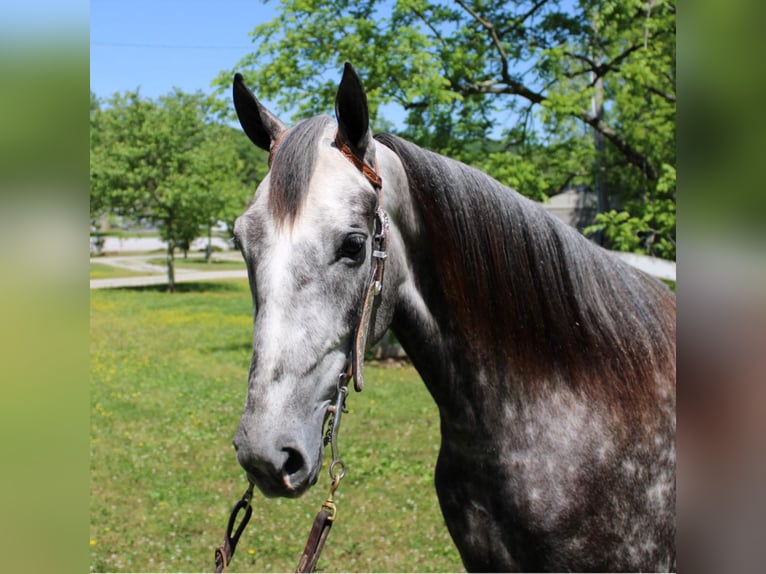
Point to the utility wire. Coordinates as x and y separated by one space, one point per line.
168 46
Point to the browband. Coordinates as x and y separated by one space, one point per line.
369 172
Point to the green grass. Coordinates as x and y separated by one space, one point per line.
168 381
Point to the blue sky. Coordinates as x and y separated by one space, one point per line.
155 45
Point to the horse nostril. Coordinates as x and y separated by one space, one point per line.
294 463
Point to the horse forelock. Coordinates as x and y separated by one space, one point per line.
293 164
530 297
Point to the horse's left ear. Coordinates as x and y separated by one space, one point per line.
352 113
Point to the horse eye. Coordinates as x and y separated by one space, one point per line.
353 247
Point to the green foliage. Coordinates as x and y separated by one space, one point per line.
522 89
167 384
165 161
647 227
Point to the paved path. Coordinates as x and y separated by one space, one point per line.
157 274
182 276
139 263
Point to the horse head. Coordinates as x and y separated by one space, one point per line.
308 239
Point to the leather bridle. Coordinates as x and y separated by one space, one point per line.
354 369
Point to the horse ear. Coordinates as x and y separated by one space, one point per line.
352 113
260 125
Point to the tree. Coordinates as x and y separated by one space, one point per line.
584 90
97 199
166 161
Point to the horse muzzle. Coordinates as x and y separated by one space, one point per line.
280 467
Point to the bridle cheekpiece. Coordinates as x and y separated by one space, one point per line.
374 284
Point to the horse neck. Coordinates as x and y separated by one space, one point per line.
421 320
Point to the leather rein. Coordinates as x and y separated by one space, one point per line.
354 369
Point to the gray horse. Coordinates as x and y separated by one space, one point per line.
552 363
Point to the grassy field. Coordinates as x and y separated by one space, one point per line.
168 380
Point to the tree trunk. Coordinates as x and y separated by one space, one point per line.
171 260
602 196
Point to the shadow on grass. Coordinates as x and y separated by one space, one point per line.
192 287
244 347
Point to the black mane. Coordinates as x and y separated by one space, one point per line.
525 291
